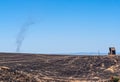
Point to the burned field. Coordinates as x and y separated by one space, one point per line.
56 68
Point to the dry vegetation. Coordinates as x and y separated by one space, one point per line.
56 68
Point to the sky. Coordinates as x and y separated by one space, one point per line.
60 26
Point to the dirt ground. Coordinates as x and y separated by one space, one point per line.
21 67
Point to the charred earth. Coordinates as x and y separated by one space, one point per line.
16 67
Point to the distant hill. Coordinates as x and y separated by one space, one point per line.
89 53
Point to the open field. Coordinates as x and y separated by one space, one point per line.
16 67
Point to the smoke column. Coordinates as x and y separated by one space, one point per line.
21 35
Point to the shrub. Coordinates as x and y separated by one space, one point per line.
114 79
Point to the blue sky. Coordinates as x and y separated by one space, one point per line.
61 26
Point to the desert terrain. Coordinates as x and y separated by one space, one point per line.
21 67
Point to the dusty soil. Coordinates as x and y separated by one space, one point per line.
16 67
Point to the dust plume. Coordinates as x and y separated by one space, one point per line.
21 35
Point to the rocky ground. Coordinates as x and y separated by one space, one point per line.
56 68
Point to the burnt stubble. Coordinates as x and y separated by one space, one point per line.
20 67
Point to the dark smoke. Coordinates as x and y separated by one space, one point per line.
21 35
